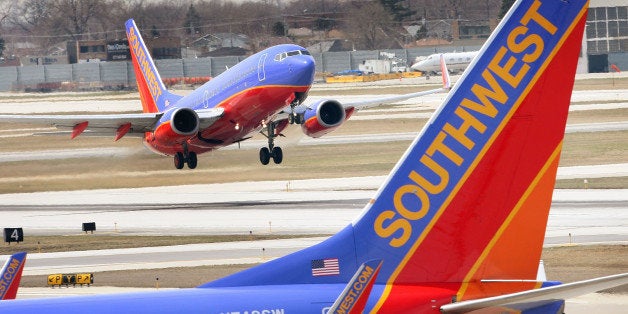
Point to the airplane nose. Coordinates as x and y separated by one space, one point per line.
304 68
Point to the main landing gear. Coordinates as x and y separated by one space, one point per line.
181 158
272 151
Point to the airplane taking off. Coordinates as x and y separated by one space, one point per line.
458 225
263 93
11 275
456 62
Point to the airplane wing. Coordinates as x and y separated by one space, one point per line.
563 291
105 124
392 99
325 115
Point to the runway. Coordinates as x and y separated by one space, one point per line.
316 206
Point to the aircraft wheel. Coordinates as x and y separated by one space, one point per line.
264 155
179 161
291 119
192 160
277 155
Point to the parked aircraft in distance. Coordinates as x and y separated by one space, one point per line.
458 225
10 275
263 93
456 62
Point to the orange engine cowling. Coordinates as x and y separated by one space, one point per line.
323 117
180 125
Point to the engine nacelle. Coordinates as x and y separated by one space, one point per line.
324 117
183 124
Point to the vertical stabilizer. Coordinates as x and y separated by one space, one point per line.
11 275
470 199
153 93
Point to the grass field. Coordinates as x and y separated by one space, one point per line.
135 166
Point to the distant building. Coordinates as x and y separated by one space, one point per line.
607 35
463 29
221 41
326 46
118 50
86 51
11 61
45 60
164 47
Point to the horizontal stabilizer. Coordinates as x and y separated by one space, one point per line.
544 294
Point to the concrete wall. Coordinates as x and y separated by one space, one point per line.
117 74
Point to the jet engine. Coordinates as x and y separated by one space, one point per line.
183 124
323 117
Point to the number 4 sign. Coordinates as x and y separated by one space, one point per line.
13 235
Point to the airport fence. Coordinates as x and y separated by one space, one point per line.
120 75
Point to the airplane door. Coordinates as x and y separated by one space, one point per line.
261 73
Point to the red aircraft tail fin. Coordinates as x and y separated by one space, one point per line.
153 93
11 275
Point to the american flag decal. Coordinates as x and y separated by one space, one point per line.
325 267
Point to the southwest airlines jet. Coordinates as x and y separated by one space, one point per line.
458 225
263 93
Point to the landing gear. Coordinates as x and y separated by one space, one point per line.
179 161
264 155
272 151
192 160
277 155
180 158
295 118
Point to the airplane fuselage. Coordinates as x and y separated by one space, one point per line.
251 94
456 62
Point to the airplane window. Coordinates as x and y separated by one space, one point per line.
280 56
283 55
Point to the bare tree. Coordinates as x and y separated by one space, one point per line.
6 9
365 24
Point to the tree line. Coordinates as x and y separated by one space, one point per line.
367 24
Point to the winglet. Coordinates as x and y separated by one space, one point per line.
10 276
445 73
353 298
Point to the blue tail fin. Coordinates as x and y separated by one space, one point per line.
153 93
11 275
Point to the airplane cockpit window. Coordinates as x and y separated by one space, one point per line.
283 55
